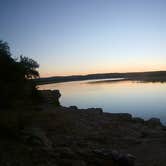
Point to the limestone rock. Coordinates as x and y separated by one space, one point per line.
95 110
73 107
36 136
154 122
119 158
138 120
51 96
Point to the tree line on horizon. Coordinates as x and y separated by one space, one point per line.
16 77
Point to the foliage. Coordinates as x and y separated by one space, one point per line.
29 66
15 84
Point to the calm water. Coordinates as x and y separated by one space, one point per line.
144 100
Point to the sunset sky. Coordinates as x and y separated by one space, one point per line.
69 37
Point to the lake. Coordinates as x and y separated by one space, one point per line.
144 100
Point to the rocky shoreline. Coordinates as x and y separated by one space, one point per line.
68 136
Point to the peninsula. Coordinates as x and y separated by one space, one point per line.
151 76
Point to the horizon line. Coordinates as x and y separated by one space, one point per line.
105 73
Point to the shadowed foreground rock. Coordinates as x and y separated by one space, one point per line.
68 136
65 155
51 97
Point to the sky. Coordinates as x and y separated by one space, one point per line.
70 37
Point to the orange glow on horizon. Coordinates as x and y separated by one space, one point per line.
103 70
104 66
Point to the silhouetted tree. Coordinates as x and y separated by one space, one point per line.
15 83
29 67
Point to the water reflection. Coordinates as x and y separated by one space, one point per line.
140 99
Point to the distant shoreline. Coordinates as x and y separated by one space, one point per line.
152 76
